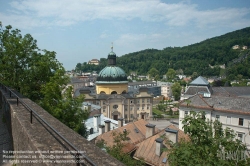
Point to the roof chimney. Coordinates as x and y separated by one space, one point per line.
158 146
172 135
89 107
107 125
150 130
96 120
101 129
120 122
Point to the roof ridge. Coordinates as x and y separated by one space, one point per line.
205 101
139 130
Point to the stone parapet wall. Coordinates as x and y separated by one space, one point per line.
38 137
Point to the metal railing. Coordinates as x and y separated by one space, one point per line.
32 111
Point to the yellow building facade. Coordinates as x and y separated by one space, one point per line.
113 97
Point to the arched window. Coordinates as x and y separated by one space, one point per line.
124 92
113 92
102 92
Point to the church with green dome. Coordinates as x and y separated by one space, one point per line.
111 94
112 79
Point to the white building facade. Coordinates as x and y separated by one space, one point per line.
232 112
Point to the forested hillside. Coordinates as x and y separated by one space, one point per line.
193 58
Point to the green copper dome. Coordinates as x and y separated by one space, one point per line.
111 54
112 74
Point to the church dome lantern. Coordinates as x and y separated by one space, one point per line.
112 58
112 78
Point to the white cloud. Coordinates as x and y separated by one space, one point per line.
32 13
221 16
22 21
141 40
103 35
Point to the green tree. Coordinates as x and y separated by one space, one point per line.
38 75
17 54
171 74
161 106
157 77
179 71
153 72
170 112
207 145
194 75
71 112
78 67
176 90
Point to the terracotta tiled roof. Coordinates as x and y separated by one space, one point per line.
146 149
128 147
137 133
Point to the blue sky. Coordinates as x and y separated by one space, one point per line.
80 30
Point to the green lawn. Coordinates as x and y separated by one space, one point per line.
157 112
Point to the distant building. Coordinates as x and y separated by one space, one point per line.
244 48
181 76
165 88
96 123
236 47
82 81
235 82
94 62
220 66
141 77
187 79
111 94
229 105
232 112
152 87
92 108
132 73
198 86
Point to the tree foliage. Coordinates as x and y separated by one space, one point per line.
38 75
209 144
176 90
153 72
171 74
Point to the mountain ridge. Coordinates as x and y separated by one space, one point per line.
197 57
